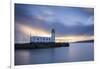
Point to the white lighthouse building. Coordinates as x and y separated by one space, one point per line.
43 39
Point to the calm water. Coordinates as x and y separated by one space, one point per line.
76 52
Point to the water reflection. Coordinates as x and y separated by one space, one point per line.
23 56
81 52
76 52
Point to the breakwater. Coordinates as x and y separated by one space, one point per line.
40 45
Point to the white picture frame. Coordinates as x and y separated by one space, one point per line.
78 3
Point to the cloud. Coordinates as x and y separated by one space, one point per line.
89 10
67 21
90 20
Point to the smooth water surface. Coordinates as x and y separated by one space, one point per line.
75 52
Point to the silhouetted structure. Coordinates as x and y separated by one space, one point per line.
41 42
35 39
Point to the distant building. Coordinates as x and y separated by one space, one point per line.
43 39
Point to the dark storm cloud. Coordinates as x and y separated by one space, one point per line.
61 29
89 10
65 20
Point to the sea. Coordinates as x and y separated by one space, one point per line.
76 52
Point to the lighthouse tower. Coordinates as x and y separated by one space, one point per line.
53 35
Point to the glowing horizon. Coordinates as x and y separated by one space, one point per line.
29 31
74 38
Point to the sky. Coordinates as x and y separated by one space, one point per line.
70 23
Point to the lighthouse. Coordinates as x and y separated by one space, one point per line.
40 39
53 35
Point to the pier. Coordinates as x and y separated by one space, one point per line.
40 45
